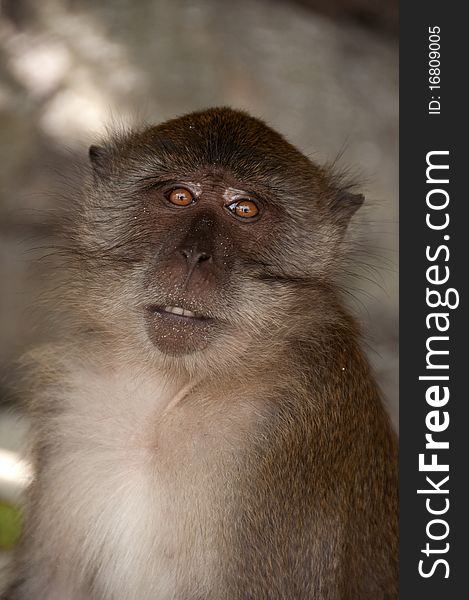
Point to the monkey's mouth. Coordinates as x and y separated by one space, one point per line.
176 330
177 313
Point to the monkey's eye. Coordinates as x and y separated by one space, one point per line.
181 197
245 208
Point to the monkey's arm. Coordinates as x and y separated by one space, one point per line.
36 582
37 571
312 523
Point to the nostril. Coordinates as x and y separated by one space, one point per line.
203 256
195 257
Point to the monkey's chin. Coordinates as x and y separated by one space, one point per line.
176 334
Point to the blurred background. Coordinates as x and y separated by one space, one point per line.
324 73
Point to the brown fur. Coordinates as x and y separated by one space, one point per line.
245 457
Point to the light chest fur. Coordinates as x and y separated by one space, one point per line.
140 486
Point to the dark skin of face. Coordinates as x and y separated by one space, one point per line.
210 221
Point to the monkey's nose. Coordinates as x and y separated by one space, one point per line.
194 256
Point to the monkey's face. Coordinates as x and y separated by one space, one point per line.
212 230
208 228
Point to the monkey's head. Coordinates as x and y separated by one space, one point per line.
201 237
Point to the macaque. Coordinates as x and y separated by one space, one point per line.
208 428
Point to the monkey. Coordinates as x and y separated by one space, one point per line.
208 426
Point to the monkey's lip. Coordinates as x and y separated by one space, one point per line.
178 313
176 330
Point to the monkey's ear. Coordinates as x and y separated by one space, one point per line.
99 159
345 205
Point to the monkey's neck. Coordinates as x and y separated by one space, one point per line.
322 344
